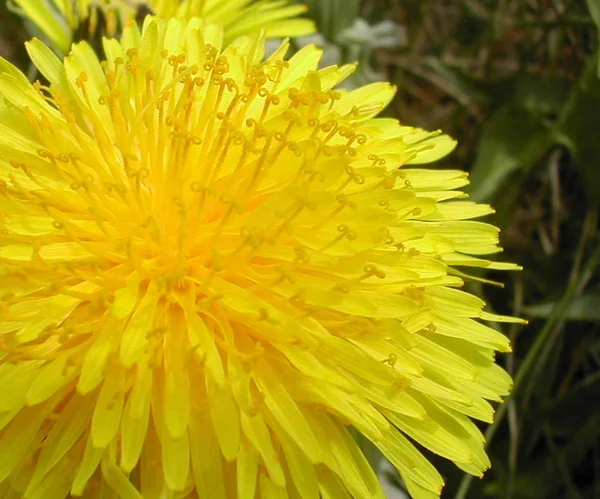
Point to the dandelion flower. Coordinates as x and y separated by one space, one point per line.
213 266
58 20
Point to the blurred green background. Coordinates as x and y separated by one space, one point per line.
517 83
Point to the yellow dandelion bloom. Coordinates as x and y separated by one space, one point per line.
60 19
212 267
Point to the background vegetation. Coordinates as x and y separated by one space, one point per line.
517 83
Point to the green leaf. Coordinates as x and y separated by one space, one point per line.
578 126
582 308
333 16
517 136
594 8
466 88
543 97
513 140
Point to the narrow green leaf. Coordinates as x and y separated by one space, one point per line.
594 8
466 88
333 16
577 128
583 308
514 139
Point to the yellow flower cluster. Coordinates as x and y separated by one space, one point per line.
213 265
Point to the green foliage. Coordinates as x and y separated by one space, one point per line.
580 117
583 308
513 141
333 16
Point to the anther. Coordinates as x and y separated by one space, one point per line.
391 360
301 255
263 314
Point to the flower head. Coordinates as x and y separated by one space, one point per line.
212 265
59 20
